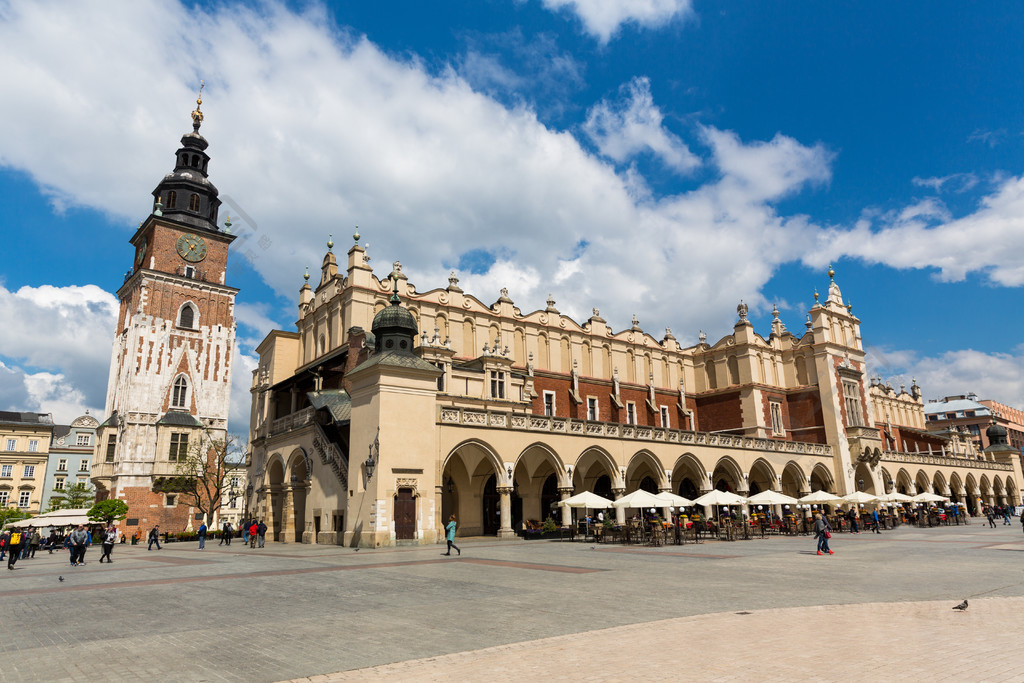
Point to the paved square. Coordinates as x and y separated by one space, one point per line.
508 610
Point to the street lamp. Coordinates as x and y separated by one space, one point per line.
248 495
860 485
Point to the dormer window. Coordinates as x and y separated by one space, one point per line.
187 317
172 199
497 384
179 395
193 203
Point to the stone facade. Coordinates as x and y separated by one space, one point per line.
25 443
70 458
170 371
507 412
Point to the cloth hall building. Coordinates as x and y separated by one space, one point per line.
389 409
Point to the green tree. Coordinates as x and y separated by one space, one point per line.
8 515
73 497
202 474
108 510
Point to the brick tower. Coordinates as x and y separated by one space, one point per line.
170 368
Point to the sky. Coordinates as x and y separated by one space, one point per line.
657 158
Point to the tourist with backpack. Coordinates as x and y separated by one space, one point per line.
14 547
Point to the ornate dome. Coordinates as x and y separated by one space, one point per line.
996 434
394 328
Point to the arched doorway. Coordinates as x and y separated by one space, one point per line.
491 506
549 497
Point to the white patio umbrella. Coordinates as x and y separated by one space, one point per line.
859 497
821 497
640 499
929 498
668 498
588 500
894 497
716 497
770 497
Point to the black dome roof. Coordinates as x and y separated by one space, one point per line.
394 318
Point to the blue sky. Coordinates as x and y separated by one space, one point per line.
659 157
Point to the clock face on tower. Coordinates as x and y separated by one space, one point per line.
141 253
191 248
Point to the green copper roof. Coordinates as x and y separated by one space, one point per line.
179 418
336 401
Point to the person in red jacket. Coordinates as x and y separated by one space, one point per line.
254 530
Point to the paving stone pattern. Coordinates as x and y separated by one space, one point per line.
507 610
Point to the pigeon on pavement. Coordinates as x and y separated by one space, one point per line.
60 578
962 607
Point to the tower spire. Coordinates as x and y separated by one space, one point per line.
197 113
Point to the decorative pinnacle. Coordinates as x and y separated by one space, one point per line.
831 273
775 311
227 223
355 235
815 295
849 307
394 293
158 210
330 241
306 276
197 113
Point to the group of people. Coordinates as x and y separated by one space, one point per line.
1004 511
21 544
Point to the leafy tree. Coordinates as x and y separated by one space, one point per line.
202 474
73 497
108 510
12 514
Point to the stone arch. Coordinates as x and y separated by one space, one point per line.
689 476
1012 496
298 474
821 479
466 486
583 470
532 493
973 492
922 482
188 315
997 489
939 485
644 464
794 480
904 484
863 474
888 485
956 486
727 475
761 477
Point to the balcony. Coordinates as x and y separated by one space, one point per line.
947 460
296 420
560 425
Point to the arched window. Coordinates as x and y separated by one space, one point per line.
179 395
187 317
193 203
195 160
172 199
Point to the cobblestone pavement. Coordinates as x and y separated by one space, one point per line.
509 609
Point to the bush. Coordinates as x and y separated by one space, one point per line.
549 525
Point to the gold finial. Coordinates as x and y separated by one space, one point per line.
306 276
355 235
330 241
831 273
815 295
197 114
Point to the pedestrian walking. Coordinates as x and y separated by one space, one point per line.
225 534
109 539
874 517
202 536
450 536
33 542
254 530
261 532
154 537
53 541
246 525
1006 516
991 517
14 547
823 531
79 538
5 539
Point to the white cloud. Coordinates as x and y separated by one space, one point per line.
989 240
603 18
955 182
621 130
995 376
57 343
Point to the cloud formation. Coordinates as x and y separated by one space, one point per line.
603 18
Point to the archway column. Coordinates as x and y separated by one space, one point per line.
505 532
665 512
620 513
565 492
288 516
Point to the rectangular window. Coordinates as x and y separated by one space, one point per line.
851 393
549 403
23 499
776 410
171 499
33 446
663 410
84 440
83 466
12 444
234 482
62 465
440 378
497 384
592 411
179 448
4 497
30 471
631 413
6 470
58 484
111 447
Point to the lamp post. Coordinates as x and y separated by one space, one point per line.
860 485
245 515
